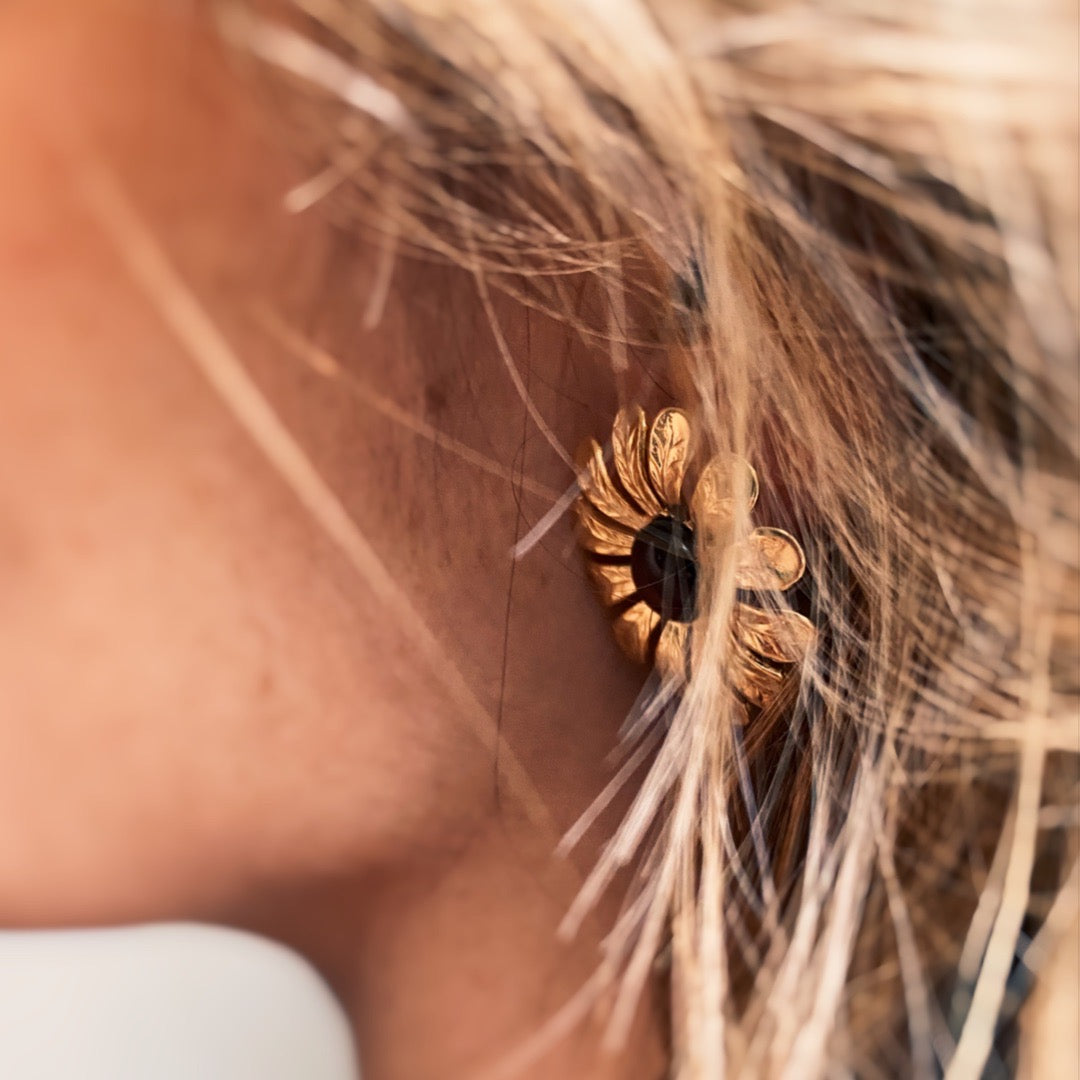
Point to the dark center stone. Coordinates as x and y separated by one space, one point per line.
664 568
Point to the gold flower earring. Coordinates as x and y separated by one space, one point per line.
641 540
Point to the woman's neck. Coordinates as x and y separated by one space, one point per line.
455 969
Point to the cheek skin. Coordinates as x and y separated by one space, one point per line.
188 692
196 694
206 711
201 701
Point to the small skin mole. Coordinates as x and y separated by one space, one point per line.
436 399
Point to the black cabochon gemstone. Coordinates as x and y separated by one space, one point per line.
664 568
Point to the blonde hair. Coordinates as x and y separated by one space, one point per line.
851 228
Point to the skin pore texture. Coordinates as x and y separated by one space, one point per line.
210 706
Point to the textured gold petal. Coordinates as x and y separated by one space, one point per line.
633 630
779 635
757 682
628 439
668 454
672 650
613 583
769 559
602 493
597 533
724 484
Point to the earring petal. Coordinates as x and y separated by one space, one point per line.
634 630
668 454
614 582
628 442
725 483
756 681
785 636
600 535
769 559
599 490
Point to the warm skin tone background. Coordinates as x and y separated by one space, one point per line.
205 710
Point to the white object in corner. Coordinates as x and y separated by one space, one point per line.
165 1002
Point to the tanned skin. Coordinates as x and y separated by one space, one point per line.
208 710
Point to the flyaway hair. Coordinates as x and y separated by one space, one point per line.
851 226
